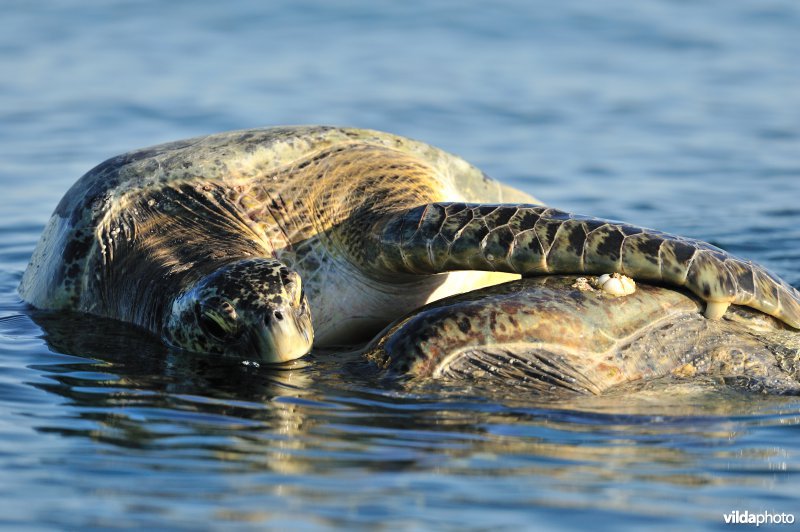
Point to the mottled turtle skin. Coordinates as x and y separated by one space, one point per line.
359 226
551 334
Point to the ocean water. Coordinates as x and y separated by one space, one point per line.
675 114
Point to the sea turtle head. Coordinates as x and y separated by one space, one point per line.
253 308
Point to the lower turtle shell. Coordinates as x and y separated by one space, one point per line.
551 333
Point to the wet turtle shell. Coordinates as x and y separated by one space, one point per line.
553 334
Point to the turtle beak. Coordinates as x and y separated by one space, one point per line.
283 336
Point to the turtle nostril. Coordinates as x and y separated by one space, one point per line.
278 315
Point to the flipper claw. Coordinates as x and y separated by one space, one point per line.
716 309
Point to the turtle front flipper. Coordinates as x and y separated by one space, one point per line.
535 240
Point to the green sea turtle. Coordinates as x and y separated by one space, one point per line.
239 242
553 334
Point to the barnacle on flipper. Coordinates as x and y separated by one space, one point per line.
615 284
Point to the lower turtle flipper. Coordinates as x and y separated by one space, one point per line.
536 240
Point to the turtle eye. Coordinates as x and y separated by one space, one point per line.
211 327
214 323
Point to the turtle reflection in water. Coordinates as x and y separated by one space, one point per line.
554 334
256 243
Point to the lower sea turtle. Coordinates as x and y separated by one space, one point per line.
238 242
552 334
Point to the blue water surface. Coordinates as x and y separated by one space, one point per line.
676 114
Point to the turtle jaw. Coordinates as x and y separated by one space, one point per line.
285 339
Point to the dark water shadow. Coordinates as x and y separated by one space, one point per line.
128 389
143 361
118 361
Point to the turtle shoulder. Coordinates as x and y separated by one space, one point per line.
460 180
